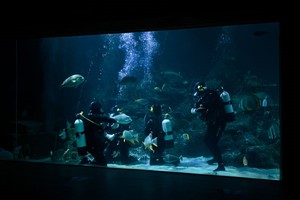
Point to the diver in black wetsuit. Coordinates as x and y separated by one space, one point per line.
210 108
95 123
154 125
118 148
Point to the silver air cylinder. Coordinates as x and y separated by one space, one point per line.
80 136
227 106
167 128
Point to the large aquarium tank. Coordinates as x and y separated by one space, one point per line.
61 80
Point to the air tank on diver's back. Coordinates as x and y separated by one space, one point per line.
80 137
167 128
229 113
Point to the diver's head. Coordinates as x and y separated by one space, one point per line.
96 107
156 109
167 116
116 109
220 89
199 88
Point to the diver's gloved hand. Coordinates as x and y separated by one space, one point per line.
193 110
77 115
110 136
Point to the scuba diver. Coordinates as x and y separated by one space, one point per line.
210 108
95 124
153 121
117 145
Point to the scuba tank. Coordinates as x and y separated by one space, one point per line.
229 113
167 128
264 103
80 137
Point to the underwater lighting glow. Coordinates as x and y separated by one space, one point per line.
139 52
129 44
150 46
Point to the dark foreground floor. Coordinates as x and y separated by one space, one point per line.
22 180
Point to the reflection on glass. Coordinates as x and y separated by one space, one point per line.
128 74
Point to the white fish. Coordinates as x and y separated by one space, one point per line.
129 135
73 81
122 118
149 142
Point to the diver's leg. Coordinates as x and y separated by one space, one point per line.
209 141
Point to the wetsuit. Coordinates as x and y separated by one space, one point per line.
153 124
118 145
95 138
211 109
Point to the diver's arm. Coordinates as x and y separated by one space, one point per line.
103 118
198 108
109 120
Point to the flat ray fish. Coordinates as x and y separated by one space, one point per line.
73 81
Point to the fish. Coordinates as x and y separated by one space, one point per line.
172 159
142 101
122 118
129 135
245 161
127 80
149 142
73 81
185 136
157 89
171 74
